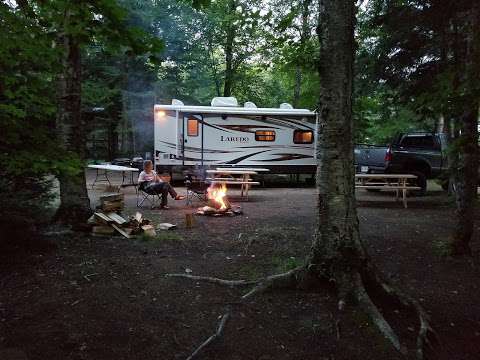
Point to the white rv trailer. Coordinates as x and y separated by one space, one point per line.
227 135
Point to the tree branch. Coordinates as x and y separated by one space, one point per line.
215 336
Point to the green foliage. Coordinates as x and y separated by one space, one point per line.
31 61
25 203
162 236
27 105
415 50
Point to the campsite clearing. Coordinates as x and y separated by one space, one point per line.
88 297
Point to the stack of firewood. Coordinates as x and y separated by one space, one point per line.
107 220
112 202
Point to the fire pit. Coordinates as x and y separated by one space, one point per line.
218 204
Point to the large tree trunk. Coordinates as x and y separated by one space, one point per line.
337 247
298 85
216 79
229 71
466 167
466 182
74 202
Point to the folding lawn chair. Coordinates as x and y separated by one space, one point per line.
151 197
196 188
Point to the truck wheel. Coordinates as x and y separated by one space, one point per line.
445 185
421 182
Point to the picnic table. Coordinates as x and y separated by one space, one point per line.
244 169
233 176
397 182
103 169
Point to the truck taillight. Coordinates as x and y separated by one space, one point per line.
388 154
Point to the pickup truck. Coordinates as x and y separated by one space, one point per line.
421 154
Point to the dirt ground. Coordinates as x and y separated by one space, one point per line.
79 296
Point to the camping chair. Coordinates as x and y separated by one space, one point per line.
196 188
151 197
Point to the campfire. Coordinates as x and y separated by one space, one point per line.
218 204
217 195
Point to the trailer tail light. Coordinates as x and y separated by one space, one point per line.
388 155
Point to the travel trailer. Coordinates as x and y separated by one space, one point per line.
227 135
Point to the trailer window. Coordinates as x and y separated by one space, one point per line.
264 135
192 127
303 137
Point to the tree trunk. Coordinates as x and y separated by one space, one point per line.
466 182
216 79
337 249
440 124
229 71
74 202
466 169
298 85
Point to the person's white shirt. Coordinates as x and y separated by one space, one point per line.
151 176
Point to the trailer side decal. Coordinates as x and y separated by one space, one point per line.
237 160
247 128
196 149
286 157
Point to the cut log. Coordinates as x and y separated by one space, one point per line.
121 231
103 230
111 197
111 206
117 219
127 230
189 220
102 218
138 217
149 230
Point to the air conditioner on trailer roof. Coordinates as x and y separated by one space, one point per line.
286 106
229 101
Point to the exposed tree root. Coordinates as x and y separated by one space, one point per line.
287 280
301 278
214 280
215 336
427 338
375 315
284 280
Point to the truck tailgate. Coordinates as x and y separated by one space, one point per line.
371 156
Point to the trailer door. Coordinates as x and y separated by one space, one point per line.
192 139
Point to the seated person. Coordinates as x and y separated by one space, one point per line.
151 183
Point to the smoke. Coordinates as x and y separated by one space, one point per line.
182 74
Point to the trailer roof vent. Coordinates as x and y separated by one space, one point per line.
286 106
250 105
225 101
177 102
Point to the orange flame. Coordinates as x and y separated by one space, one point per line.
217 193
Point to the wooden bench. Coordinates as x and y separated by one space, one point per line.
396 182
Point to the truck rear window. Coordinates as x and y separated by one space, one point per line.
419 142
